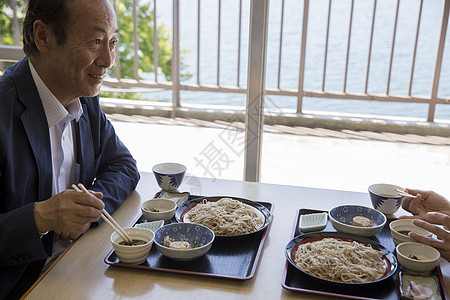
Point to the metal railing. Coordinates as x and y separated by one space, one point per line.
432 100
176 85
255 88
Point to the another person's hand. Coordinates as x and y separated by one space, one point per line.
441 240
68 212
424 202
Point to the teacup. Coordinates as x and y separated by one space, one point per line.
169 175
385 197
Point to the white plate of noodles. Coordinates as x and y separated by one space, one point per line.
226 216
341 258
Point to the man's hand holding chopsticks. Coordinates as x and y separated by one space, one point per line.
69 213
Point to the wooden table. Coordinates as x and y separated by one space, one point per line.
82 274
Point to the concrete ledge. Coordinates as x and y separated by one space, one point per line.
330 121
361 123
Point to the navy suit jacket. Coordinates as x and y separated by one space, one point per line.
106 165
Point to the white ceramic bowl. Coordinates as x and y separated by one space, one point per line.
427 256
133 254
188 232
169 175
158 209
385 198
342 217
313 222
400 228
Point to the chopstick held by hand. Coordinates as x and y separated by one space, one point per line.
403 193
107 217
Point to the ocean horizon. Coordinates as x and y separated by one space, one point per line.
316 37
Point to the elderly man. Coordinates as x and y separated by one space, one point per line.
53 134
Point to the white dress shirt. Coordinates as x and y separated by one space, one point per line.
59 119
65 170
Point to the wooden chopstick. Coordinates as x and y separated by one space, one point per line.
404 194
107 217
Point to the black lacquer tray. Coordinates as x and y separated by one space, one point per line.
235 258
295 280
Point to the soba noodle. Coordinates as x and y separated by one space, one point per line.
341 261
226 217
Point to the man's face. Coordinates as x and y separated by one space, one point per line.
80 64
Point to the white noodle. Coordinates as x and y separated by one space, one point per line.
341 261
226 217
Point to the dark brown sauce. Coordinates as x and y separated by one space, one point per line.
404 232
134 243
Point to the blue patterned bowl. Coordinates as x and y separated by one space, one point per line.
385 198
198 236
342 219
169 175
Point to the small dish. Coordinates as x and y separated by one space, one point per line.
313 222
429 283
150 225
136 254
400 230
417 257
158 209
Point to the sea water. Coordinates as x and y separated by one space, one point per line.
315 53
